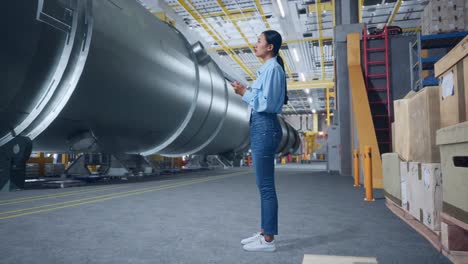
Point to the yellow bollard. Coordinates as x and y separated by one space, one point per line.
368 174
356 169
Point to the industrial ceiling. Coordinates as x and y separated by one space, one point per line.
229 29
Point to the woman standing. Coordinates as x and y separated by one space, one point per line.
265 99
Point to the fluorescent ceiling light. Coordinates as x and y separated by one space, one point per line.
307 91
302 77
314 111
295 54
281 8
310 99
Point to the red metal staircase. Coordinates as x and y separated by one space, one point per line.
377 79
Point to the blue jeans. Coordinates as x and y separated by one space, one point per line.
265 136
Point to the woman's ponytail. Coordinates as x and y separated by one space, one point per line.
274 38
281 63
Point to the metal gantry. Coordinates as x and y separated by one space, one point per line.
228 15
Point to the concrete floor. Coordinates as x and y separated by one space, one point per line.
201 218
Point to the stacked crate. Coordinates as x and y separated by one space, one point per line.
417 118
427 178
452 139
442 16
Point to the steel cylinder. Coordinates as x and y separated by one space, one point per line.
107 76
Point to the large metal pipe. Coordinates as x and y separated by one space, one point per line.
108 76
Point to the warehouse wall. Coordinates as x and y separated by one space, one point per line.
343 113
400 65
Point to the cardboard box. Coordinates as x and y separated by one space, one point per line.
404 171
452 97
452 69
402 123
424 121
391 177
402 133
453 143
414 185
432 195
417 118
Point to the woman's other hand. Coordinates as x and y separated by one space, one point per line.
239 88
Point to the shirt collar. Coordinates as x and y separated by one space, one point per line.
265 65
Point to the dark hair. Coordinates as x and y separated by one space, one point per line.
274 38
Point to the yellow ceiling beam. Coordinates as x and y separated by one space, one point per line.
284 42
199 18
267 25
394 12
247 11
307 40
318 84
324 6
223 7
238 17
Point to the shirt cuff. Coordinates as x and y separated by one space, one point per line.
248 96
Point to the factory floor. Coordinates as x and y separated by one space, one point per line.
201 218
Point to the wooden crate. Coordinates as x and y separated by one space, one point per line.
401 125
414 190
424 121
417 118
432 195
453 72
453 142
391 177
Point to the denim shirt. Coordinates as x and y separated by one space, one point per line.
267 92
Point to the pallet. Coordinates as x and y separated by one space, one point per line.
434 237
455 241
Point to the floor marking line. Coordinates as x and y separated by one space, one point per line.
78 200
62 194
125 194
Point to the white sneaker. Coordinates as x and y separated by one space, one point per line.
260 245
251 239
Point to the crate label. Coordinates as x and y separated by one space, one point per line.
427 178
447 85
